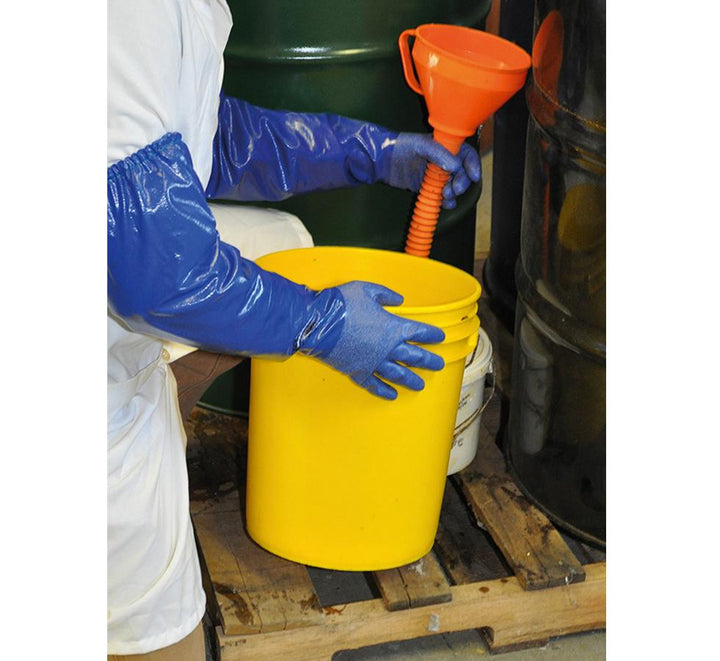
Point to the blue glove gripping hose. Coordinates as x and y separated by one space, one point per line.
169 274
269 155
411 154
375 344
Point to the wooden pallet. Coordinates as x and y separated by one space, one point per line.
498 565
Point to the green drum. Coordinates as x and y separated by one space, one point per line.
341 56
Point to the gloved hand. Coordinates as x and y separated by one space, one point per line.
409 158
373 344
171 276
261 154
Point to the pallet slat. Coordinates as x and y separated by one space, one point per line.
529 541
465 551
255 590
511 615
418 584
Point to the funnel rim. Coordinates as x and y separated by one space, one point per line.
517 50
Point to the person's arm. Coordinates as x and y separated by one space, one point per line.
269 155
170 275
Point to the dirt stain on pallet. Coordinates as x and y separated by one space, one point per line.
310 604
239 605
330 610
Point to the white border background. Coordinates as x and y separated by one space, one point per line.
663 265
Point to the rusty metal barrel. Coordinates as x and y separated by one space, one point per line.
555 441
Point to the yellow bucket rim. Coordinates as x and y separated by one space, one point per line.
466 301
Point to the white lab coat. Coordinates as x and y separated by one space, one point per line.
164 74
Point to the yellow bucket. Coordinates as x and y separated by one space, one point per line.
339 478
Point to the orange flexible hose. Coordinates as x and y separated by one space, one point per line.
429 201
427 210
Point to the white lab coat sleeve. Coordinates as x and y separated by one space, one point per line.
143 73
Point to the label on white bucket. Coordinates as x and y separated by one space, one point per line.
467 422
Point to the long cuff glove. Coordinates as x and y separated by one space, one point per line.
169 275
261 154
374 346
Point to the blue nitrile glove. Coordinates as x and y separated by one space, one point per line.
374 344
269 155
169 275
410 156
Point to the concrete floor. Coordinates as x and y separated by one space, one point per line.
468 645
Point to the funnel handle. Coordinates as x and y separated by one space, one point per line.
407 64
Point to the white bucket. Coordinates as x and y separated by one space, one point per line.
467 423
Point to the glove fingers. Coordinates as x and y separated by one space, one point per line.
416 356
382 295
423 333
471 162
380 388
455 187
460 183
435 152
401 375
374 345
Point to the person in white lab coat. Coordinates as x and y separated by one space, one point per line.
175 142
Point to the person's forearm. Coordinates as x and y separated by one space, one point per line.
261 154
170 275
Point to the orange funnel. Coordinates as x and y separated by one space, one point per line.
465 75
